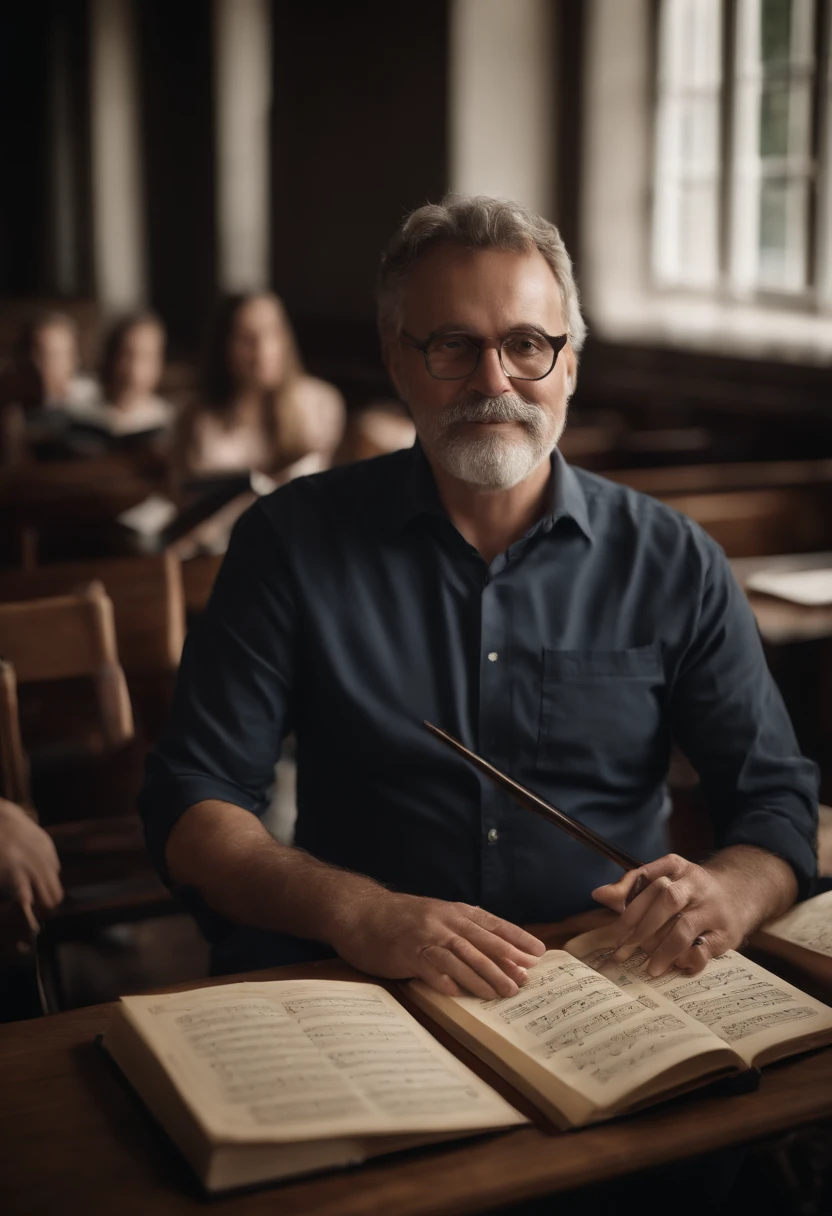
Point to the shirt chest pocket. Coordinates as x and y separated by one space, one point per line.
601 715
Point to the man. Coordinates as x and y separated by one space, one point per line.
563 626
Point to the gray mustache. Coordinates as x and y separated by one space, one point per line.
508 408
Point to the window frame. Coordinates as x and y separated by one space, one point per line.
728 288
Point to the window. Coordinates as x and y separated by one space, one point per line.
741 174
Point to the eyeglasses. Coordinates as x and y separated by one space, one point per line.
524 355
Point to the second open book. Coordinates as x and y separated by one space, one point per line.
586 1039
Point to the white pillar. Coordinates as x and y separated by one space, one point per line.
118 211
502 106
242 55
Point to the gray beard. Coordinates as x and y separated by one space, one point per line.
492 461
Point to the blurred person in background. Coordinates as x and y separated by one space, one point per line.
44 384
258 410
132 364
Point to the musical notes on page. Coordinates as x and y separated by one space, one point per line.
286 1056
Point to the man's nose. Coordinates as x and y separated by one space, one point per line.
488 376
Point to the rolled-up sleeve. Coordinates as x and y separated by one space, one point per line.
729 718
233 700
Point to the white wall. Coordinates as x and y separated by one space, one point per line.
118 221
501 100
242 49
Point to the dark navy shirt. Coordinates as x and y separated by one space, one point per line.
349 609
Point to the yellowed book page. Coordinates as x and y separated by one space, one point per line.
808 925
299 1060
579 1026
737 1000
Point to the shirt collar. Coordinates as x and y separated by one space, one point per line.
416 495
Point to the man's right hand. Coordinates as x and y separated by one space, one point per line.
453 947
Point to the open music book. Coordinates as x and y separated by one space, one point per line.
586 1039
803 937
260 1081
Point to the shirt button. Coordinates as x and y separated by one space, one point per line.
493 835
493 656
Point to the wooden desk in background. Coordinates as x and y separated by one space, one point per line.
74 1139
779 620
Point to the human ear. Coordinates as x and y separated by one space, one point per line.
571 370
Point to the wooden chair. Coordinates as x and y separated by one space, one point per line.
67 637
105 871
147 595
149 605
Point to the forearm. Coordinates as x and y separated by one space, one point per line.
242 872
765 884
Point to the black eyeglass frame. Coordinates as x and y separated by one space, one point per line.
557 343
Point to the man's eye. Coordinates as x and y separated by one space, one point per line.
451 344
523 345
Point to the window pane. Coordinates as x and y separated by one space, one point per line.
687 170
775 30
783 219
773 169
774 121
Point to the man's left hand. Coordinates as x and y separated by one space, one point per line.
688 914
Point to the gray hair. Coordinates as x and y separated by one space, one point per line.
474 222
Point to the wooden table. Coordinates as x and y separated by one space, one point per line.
74 1139
779 620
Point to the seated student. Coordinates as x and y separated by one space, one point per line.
259 410
131 368
45 380
40 386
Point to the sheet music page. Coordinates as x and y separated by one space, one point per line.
808 924
742 1003
300 1060
581 1027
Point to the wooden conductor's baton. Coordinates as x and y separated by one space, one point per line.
532 802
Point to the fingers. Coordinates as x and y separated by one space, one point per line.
497 949
438 980
617 895
478 977
23 895
678 949
663 901
470 968
525 942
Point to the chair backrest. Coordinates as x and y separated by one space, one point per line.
14 763
148 600
66 637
